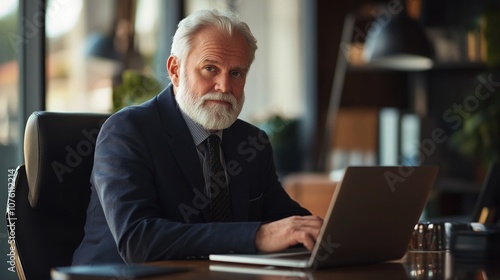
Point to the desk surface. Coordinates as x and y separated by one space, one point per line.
412 266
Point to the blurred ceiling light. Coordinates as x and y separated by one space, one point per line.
62 16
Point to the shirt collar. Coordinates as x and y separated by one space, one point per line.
198 133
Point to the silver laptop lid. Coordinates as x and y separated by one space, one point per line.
372 214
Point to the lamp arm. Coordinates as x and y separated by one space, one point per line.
336 90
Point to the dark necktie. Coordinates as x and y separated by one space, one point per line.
220 207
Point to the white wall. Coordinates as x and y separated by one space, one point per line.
276 79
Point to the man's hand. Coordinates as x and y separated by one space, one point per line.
281 234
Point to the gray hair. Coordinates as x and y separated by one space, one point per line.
225 21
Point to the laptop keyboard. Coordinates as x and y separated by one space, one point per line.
301 255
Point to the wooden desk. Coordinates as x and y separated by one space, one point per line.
312 191
412 266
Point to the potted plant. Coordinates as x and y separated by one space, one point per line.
478 138
136 87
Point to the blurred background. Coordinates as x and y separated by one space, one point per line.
99 56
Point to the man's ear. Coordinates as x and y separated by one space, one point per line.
174 69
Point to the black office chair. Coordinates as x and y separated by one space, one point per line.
52 190
487 207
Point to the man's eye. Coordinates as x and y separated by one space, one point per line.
237 74
210 68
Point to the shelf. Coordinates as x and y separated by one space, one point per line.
465 65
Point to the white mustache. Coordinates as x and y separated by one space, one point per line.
219 97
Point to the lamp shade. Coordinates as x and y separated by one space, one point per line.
399 44
102 46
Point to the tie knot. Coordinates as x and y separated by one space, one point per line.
213 142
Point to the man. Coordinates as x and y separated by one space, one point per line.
154 195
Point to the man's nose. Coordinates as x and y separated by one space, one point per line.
223 83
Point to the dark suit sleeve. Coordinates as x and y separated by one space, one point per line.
125 183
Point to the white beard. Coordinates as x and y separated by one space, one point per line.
211 116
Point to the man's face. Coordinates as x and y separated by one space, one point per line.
209 85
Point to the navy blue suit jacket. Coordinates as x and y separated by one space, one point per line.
148 197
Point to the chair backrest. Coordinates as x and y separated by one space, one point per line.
487 207
52 190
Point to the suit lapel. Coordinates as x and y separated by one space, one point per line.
183 147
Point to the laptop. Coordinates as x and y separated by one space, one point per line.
370 219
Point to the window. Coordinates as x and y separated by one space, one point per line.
88 59
9 111
8 74
100 48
